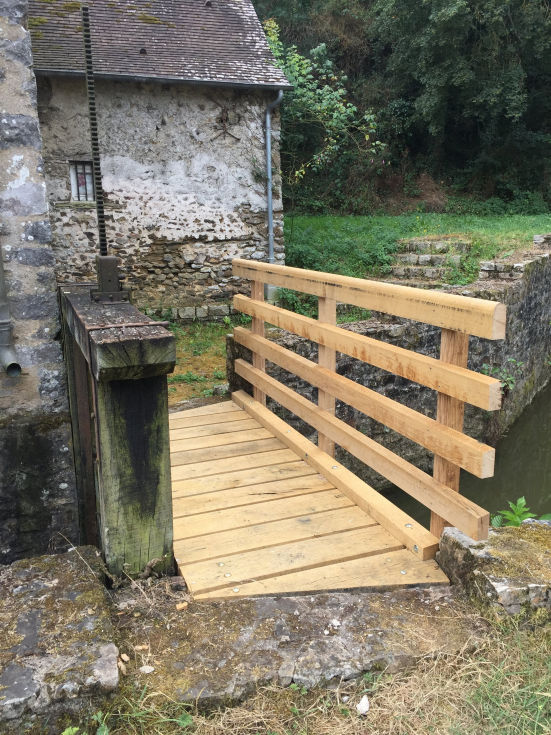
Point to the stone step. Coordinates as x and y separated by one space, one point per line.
427 259
424 245
505 271
419 272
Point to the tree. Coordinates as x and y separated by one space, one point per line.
467 83
318 122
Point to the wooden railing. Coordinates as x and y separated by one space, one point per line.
458 316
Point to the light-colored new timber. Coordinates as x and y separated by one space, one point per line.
227 480
327 358
231 464
269 519
232 518
229 450
466 385
213 429
402 526
454 446
381 572
454 349
257 327
260 564
262 535
222 407
462 512
218 440
264 492
181 421
460 313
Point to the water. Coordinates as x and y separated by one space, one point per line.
523 467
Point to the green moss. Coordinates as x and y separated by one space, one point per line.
151 19
71 6
36 21
521 552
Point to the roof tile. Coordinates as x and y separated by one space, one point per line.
205 41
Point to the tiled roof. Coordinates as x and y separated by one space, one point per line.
208 41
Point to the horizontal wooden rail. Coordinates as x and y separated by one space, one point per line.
463 513
459 313
466 385
405 529
453 445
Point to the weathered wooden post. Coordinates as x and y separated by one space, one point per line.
126 357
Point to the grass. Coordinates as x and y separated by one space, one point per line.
201 359
502 687
360 246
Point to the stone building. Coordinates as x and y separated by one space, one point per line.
182 90
38 504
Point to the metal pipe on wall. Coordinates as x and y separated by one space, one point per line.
269 109
8 358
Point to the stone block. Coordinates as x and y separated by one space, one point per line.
201 312
20 131
187 313
425 259
511 570
487 265
217 310
57 648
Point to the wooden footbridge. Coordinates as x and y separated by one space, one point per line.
259 509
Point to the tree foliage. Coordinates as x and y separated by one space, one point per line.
318 121
461 88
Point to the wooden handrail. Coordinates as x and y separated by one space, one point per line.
465 385
458 317
461 313
453 445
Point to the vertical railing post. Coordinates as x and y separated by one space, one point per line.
257 327
454 349
327 313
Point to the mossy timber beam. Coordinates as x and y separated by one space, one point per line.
458 318
117 361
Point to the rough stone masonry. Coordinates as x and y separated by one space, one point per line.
37 486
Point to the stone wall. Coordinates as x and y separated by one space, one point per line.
37 488
184 176
528 341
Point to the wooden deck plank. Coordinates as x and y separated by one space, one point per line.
221 407
213 429
262 493
204 419
227 520
380 572
243 478
204 469
243 497
238 449
402 526
218 440
254 565
261 536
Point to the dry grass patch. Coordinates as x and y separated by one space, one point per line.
502 686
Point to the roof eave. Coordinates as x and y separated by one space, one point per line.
168 80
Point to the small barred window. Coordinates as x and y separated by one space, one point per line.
82 181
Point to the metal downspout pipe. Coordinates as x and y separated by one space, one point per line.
8 358
271 259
